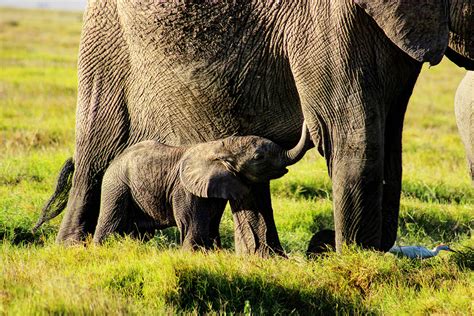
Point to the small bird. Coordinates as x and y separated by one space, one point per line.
418 252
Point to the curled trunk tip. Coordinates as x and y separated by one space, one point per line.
293 155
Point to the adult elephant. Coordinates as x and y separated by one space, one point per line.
193 72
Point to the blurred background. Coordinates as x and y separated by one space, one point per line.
70 5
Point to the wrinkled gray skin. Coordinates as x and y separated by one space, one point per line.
464 109
153 186
189 73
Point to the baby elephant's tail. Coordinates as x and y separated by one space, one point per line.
58 200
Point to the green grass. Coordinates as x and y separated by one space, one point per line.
38 81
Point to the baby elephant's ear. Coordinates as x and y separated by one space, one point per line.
202 174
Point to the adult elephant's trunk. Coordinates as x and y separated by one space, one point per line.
293 155
461 33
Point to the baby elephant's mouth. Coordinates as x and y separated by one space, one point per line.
266 176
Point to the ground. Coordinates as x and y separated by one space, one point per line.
38 55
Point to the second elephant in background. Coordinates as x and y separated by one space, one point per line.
464 109
153 186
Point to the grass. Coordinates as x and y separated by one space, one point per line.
37 105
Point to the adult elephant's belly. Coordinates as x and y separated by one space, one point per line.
186 105
186 86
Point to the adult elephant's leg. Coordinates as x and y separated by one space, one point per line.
392 183
356 166
351 126
95 148
346 93
254 225
82 209
102 121
392 180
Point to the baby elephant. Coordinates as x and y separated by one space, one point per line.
153 186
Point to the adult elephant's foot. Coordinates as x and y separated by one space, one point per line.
254 225
81 215
357 194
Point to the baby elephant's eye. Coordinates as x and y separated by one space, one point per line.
258 156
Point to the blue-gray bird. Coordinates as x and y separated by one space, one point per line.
418 252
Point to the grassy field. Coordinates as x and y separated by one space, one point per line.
37 106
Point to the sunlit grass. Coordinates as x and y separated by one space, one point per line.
37 108
128 276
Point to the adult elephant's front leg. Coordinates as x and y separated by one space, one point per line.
357 169
255 230
353 147
102 120
392 178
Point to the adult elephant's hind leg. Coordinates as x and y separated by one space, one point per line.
254 225
102 121
94 151
82 210
97 143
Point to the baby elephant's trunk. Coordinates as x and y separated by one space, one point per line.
58 200
293 155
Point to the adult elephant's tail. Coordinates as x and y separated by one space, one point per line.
58 200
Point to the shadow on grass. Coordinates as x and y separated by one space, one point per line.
15 180
23 236
17 230
203 291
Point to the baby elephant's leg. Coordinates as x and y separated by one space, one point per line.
114 208
254 224
217 209
193 218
